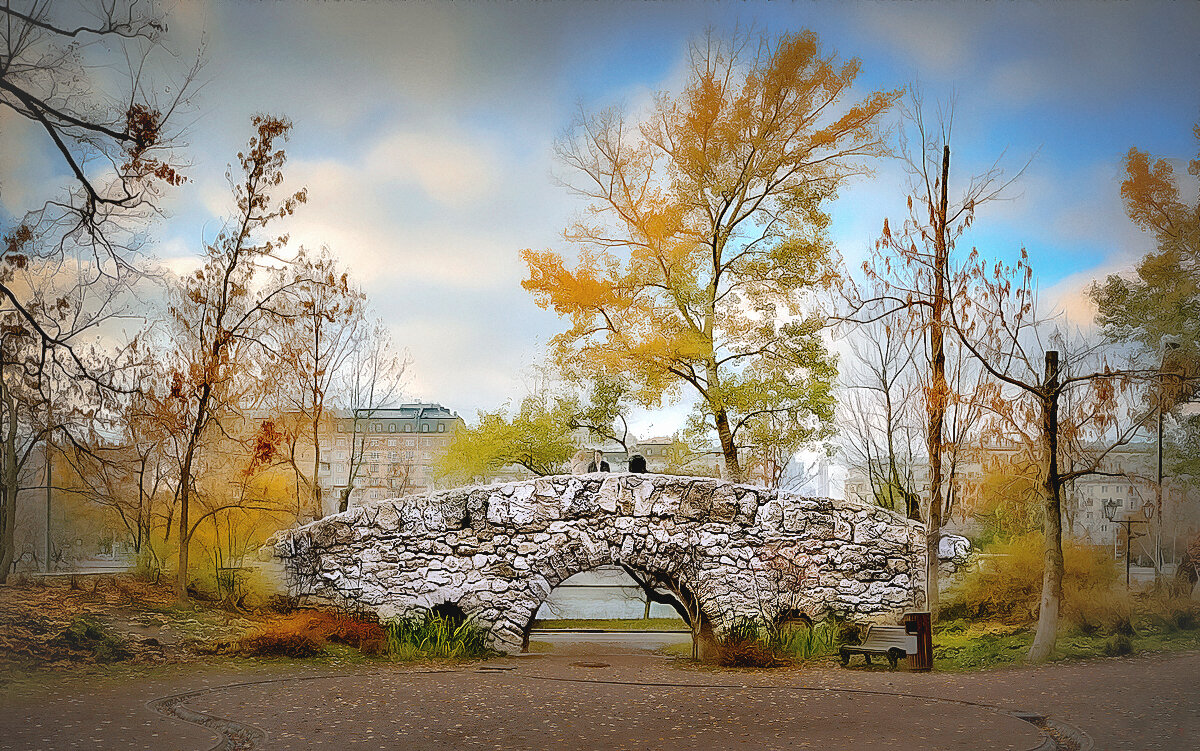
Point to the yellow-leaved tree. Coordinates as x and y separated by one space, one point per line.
706 233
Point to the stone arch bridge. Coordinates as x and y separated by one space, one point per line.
496 552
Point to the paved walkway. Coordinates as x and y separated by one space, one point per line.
623 701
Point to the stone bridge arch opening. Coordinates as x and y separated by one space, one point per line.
663 588
497 552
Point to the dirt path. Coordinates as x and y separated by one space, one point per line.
613 702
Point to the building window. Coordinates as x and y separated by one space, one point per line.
391 427
441 427
424 428
408 428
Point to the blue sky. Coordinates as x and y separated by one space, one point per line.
424 134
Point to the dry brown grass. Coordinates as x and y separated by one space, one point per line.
1007 589
305 633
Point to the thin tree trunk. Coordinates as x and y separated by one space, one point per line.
1051 490
937 395
318 507
732 468
184 498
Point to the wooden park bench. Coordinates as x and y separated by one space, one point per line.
891 641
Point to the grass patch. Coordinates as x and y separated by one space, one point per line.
613 624
960 646
806 641
750 644
436 637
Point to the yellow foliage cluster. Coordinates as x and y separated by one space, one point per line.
1007 583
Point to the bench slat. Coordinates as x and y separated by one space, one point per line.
883 638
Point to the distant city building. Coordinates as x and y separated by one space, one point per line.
392 452
1125 485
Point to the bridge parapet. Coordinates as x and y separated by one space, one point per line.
496 552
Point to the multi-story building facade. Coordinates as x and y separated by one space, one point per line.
1094 506
384 453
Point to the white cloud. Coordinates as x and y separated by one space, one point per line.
448 165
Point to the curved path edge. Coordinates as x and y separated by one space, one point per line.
237 736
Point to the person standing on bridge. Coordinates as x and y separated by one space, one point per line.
598 464
579 462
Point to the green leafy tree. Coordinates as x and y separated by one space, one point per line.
537 437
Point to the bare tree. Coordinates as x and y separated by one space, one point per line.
372 382
913 274
1039 369
312 351
881 427
221 312
113 133
48 393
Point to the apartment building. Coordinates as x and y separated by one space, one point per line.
1094 505
384 453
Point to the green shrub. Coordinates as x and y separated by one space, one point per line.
749 644
435 636
746 645
1117 645
87 638
802 640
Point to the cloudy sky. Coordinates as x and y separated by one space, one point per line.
423 132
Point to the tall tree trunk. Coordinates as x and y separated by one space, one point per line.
317 505
8 511
936 399
185 490
8 482
184 539
317 404
1051 491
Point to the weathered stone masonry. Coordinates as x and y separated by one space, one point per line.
496 552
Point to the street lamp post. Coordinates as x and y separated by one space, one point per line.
1110 513
1169 349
